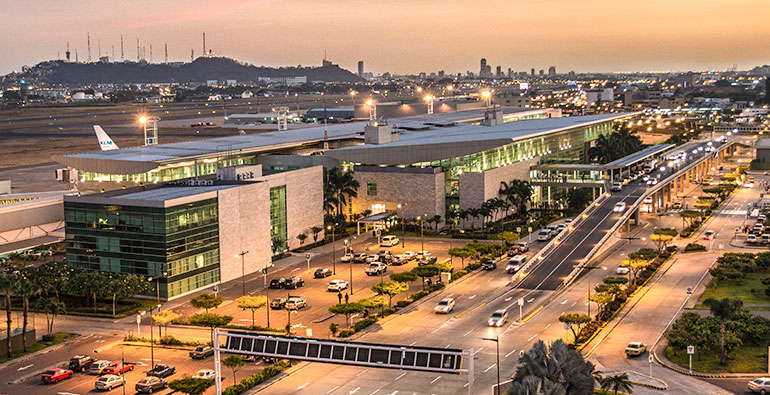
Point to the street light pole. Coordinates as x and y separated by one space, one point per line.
589 268
243 271
422 236
334 255
152 342
403 240
497 345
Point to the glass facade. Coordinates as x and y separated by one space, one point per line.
176 171
278 229
180 241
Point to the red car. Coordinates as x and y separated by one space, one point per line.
56 375
118 368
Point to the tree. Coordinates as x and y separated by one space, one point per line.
617 382
662 236
88 283
425 272
7 288
635 266
347 309
234 362
576 322
615 280
724 310
341 187
251 303
688 330
165 317
190 386
373 302
579 198
689 216
210 320
26 287
404 277
601 299
52 307
556 364
647 254
463 253
206 301
390 288
122 286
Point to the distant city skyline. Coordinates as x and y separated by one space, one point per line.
401 36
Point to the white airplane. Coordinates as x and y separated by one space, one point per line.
104 140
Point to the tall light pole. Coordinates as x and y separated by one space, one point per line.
497 345
243 271
422 239
487 95
350 263
152 342
589 268
403 219
334 255
157 292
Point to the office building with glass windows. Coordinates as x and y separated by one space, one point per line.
188 237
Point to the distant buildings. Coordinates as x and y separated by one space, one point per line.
361 68
552 71
485 70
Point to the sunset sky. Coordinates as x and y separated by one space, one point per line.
402 36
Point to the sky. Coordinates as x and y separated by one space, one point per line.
401 36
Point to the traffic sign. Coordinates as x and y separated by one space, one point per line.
521 301
529 229
518 229
689 290
690 350
307 256
651 359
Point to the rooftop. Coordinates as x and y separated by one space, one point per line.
763 144
170 193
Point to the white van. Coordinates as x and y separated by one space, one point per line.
544 235
389 241
515 263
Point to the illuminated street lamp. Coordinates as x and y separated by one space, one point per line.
153 125
372 109
589 268
429 99
487 95
334 255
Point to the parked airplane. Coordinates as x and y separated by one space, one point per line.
104 140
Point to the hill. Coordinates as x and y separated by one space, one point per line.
200 70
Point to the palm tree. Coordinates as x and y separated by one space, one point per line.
603 150
463 215
556 364
618 382
51 307
26 287
7 288
341 186
626 141
724 310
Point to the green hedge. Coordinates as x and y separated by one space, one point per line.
256 379
694 247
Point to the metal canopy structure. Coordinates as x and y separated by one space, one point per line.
425 359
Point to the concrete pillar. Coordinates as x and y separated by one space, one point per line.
627 226
636 217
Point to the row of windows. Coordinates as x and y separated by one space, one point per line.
169 172
192 283
194 262
278 228
371 188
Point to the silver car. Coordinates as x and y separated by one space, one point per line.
445 306
498 318
761 385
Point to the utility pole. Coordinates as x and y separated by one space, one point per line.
88 35
166 50
138 54
122 55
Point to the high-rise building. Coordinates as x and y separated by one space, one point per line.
533 72
552 70
485 70
499 72
361 68
542 72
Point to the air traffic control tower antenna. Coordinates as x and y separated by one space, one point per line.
152 138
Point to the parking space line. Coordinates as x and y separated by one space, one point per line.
332 390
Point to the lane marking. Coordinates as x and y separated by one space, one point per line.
465 313
447 346
394 393
355 390
478 351
468 333
564 302
25 367
295 269
530 300
490 367
332 390
412 343
361 372
472 297
509 354
546 327
530 339
508 298
302 386
400 376
436 379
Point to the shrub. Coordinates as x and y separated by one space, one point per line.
402 303
363 324
473 266
385 313
333 328
434 287
346 333
419 295
169 340
458 274
692 247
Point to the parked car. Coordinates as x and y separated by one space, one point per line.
359 258
162 370
420 254
108 382
544 235
619 207
372 258
204 374
427 260
118 368
202 352
389 241
444 306
56 375
278 303
409 255
635 349
347 257
622 270
150 384
321 273
337 285
616 187
399 260
751 239
376 268
489 265
498 318
709 235
98 366
515 264
761 385
277 283
295 303
80 363
294 283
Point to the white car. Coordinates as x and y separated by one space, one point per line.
619 207
409 255
204 374
761 385
616 187
372 258
751 239
389 241
622 270
544 235
108 382
445 306
98 366
709 235
421 254
498 318
337 285
347 257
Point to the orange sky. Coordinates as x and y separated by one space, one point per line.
403 36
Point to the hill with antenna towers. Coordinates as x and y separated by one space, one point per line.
199 70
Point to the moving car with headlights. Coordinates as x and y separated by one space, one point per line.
162 370
709 235
204 374
150 384
56 375
498 318
108 382
515 264
444 306
619 207
337 285
544 235
635 349
616 187
760 385
202 352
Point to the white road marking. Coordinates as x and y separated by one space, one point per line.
509 354
25 367
468 333
530 339
302 386
564 302
436 379
573 303
508 298
400 376
478 351
472 297
466 384
412 343
530 300
394 393
546 327
490 367
295 269
332 390
355 390
361 372
447 346
375 391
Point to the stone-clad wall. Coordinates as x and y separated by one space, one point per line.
476 188
244 225
419 193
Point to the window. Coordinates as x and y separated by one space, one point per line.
371 188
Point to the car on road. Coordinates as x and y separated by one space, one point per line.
98 366
150 384
544 235
347 257
399 260
321 273
652 182
635 349
359 257
108 382
372 258
278 303
80 363
427 260
760 385
523 246
337 285
489 265
389 241
376 268
622 270
204 374
751 239
764 239
118 367
294 282
560 228
444 306
409 255
56 375
498 318
515 264
676 205
421 254
709 235
277 283
619 207
647 200
162 370
202 352
295 303
616 187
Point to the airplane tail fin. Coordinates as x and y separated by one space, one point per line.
104 140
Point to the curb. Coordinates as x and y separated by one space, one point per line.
655 387
44 351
